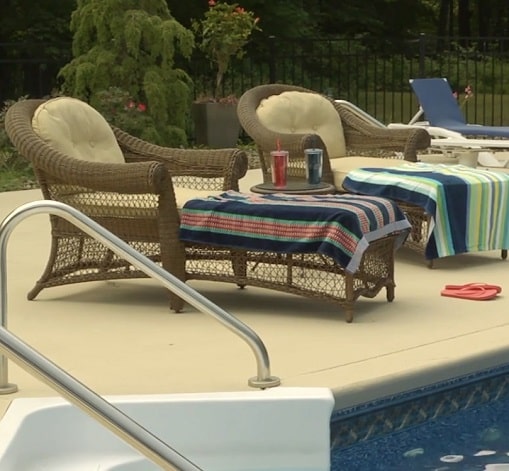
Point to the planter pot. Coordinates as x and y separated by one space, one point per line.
216 125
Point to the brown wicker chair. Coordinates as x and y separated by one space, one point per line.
361 136
134 200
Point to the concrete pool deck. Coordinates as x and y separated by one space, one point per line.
121 338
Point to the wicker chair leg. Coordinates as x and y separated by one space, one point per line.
390 292
47 273
504 254
239 267
349 297
177 267
31 295
348 307
176 303
174 263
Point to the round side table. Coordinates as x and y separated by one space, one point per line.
295 188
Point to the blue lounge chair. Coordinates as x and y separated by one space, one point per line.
441 109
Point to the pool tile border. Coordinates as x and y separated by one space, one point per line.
399 411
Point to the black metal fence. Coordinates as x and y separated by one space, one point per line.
370 72
31 68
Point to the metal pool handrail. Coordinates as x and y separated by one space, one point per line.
70 387
262 380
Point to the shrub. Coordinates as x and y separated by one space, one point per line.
15 171
133 47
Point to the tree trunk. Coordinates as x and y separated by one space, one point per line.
443 17
464 15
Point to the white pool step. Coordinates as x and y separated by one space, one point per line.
279 429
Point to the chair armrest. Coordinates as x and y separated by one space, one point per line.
418 140
363 135
230 165
141 177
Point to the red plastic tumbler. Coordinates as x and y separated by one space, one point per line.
279 166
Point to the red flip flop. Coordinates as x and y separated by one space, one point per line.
474 286
474 293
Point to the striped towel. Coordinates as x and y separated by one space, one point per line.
468 207
340 227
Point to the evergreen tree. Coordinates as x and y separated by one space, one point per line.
131 45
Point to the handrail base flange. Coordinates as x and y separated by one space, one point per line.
264 383
8 388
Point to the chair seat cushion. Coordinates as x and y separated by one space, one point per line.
76 129
296 112
341 167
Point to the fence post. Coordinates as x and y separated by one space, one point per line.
272 59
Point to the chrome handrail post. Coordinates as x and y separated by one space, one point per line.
5 386
262 380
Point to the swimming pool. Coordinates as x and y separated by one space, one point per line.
458 424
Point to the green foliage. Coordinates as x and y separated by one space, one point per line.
41 21
119 109
132 46
224 32
8 151
15 171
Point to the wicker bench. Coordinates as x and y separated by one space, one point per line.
295 259
439 201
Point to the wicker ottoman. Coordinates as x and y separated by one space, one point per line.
312 246
452 209
311 275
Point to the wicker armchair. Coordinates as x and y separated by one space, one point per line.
360 135
136 200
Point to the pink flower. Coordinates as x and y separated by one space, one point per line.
469 93
142 107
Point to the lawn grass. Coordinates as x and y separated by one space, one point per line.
12 180
15 173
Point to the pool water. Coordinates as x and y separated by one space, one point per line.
461 428
468 440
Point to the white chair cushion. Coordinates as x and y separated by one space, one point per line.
76 129
341 167
304 113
